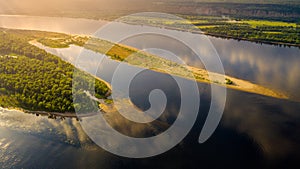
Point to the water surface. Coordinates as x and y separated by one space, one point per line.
255 131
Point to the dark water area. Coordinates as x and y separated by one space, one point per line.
255 131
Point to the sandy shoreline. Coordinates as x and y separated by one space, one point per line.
242 85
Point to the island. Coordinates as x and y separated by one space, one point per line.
136 57
38 82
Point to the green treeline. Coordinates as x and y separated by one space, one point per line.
32 79
261 31
280 34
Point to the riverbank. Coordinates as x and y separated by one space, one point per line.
250 40
258 31
224 36
51 115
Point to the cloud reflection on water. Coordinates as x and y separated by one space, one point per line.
67 130
271 123
272 66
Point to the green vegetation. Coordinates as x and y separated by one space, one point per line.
63 42
114 51
258 23
281 33
262 31
55 40
33 79
228 81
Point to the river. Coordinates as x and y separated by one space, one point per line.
255 131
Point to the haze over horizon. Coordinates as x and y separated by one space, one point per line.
17 6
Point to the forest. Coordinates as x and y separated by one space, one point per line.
277 34
32 79
261 31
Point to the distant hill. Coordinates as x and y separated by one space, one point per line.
245 1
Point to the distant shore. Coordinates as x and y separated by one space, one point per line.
219 35
250 40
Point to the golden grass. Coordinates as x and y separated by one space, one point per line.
256 23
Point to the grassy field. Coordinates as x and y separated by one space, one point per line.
258 23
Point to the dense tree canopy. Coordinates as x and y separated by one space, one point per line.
33 79
273 34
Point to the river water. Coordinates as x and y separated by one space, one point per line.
255 131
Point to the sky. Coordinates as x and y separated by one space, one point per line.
22 5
